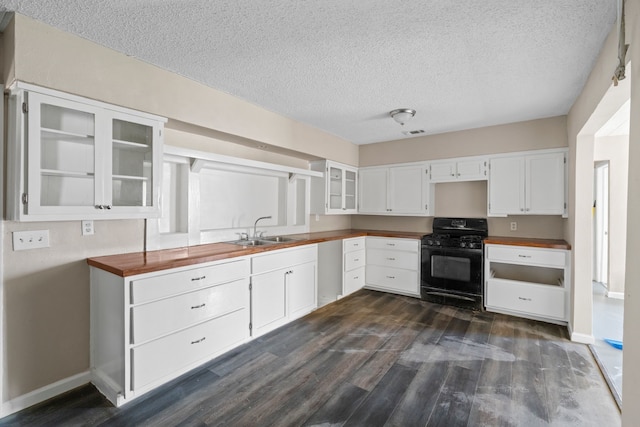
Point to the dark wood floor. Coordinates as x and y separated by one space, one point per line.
372 359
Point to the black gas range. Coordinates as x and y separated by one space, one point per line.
452 262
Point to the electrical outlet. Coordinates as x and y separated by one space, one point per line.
87 227
35 239
514 226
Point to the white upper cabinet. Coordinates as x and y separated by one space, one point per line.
531 184
337 192
396 190
82 160
462 169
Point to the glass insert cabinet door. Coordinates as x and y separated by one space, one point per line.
336 176
62 151
89 160
131 163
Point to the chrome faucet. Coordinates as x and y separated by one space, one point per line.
255 233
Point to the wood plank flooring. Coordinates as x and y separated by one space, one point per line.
371 359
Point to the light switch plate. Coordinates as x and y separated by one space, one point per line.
34 239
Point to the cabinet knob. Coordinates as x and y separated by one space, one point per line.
99 207
521 209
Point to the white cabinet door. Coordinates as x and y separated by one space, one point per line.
405 190
545 184
506 185
268 301
337 191
471 170
64 167
373 190
443 171
301 289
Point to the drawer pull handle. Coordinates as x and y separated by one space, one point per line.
524 256
355 277
356 259
193 307
198 341
194 279
356 244
524 299
391 277
391 244
391 259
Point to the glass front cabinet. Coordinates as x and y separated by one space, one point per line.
75 158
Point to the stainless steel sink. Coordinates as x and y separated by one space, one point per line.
270 240
278 239
250 242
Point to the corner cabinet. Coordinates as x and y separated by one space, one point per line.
75 158
396 190
531 184
337 192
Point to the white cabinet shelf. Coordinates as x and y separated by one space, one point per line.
528 282
75 158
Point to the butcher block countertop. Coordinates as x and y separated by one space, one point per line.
131 264
524 241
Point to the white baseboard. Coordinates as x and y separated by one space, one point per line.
615 295
47 392
580 338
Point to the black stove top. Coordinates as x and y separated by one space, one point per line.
457 233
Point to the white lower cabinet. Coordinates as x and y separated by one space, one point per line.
393 265
283 287
150 328
353 265
528 282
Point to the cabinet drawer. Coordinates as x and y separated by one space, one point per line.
184 281
354 259
354 244
158 318
539 300
405 281
391 258
353 280
519 255
410 245
283 259
168 355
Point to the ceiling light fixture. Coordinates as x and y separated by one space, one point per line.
402 115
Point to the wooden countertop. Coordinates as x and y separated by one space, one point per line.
130 264
524 241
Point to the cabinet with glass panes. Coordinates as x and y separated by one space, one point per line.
82 159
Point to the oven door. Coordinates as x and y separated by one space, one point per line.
452 270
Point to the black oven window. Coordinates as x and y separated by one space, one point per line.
449 267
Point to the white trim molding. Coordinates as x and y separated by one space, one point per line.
47 392
580 338
615 295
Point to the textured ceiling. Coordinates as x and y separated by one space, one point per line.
341 66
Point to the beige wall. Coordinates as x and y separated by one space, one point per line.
590 111
47 299
631 372
529 135
615 150
469 199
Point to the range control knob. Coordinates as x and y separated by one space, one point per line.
464 244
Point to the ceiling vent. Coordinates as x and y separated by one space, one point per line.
413 132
